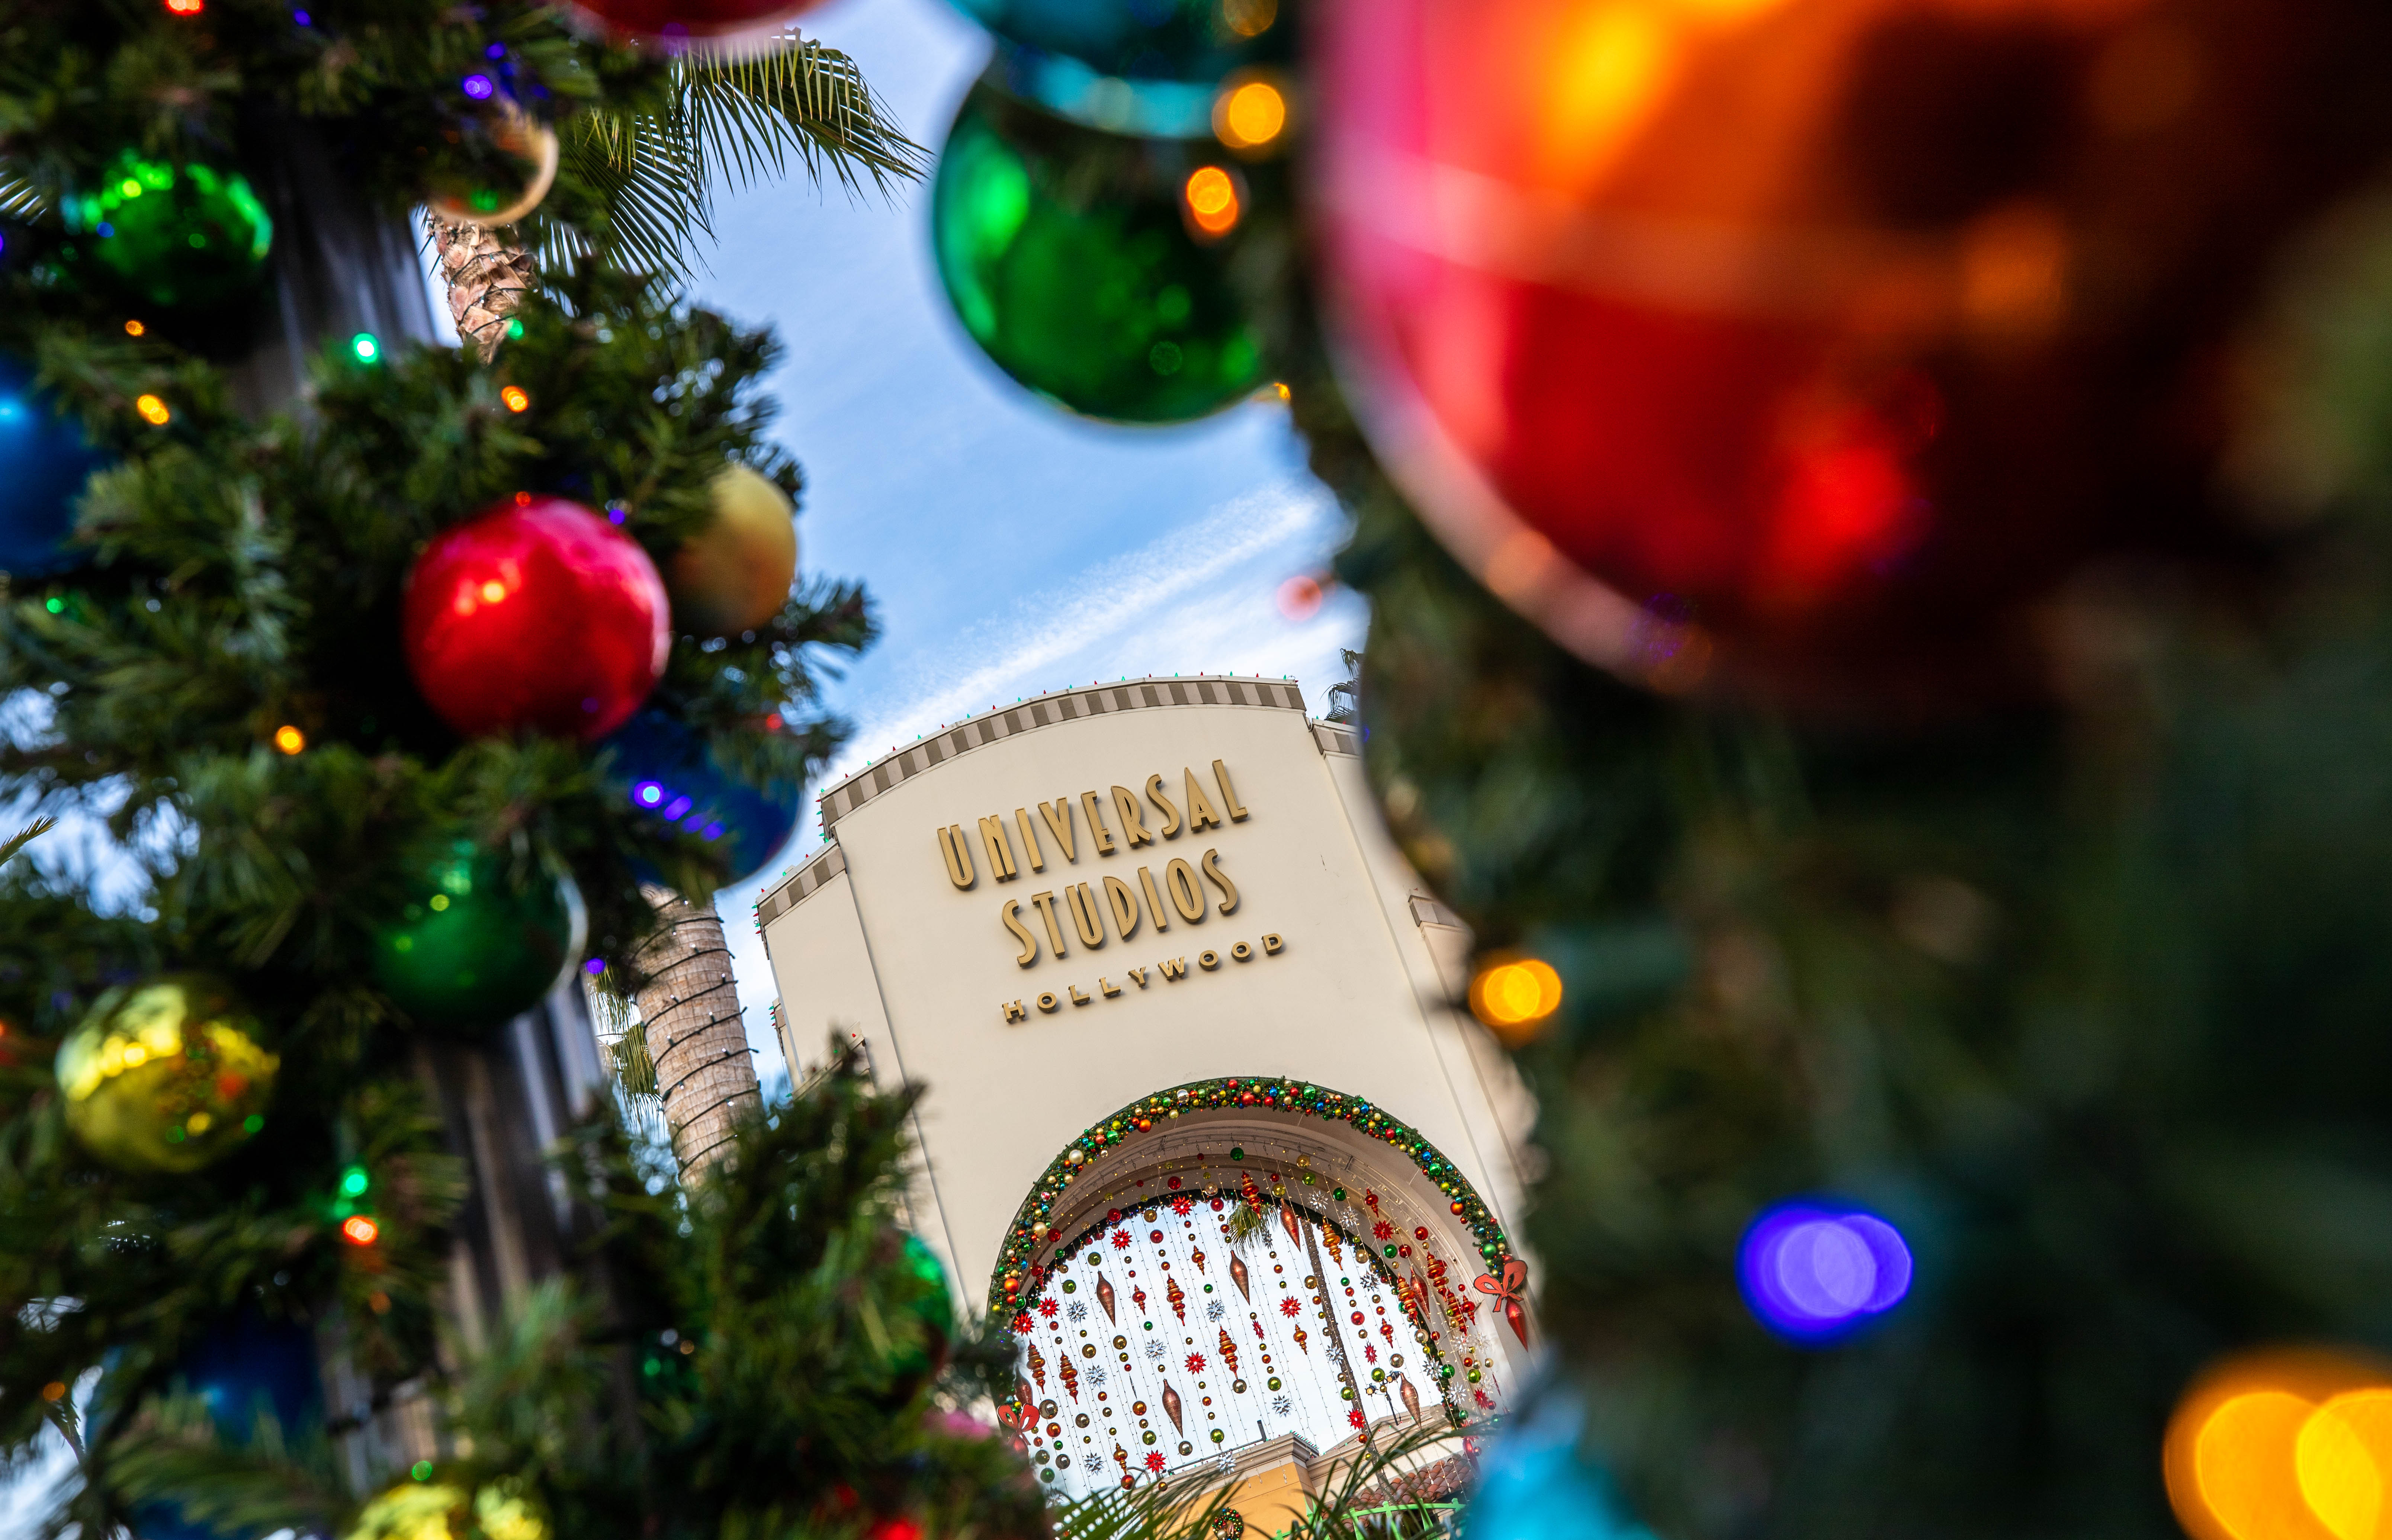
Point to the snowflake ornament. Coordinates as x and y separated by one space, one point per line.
1282 1405
1092 1463
1077 1309
1155 1350
1214 1310
1096 1374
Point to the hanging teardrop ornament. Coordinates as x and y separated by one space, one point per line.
1287 1217
1105 1295
1337 1253
1171 1407
1197 1257
1038 1365
1238 1276
1411 1398
1302 1337
1229 1351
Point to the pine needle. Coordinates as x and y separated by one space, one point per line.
26 836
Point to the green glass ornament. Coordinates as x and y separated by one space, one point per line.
935 1309
481 938
1093 268
165 1075
180 235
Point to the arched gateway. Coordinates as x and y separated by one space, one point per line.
1151 949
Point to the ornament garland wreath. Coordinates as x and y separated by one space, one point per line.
1017 1276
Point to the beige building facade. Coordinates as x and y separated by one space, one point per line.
1201 1118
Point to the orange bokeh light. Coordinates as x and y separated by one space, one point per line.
1515 996
1212 199
134 329
517 399
357 1230
1249 114
289 739
2287 1446
153 410
185 8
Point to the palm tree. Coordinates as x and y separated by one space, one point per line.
642 183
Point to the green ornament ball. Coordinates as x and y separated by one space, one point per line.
165 1075
1094 268
935 1308
480 938
179 235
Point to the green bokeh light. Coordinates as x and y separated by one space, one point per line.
177 236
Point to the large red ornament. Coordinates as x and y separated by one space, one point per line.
539 614
673 22
1819 338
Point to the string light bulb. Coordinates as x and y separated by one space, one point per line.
289 739
357 1230
153 410
517 399
1514 997
1211 199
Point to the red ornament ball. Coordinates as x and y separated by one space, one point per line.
1811 342
671 22
537 615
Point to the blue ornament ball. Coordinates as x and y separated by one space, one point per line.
249 1368
1535 1484
44 461
1197 41
671 775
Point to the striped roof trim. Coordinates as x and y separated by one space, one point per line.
1062 705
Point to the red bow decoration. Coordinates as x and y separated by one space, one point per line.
1506 1288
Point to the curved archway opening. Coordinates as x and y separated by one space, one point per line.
1244 1262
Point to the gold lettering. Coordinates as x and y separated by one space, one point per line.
1153 900
1013 1011
1229 793
1208 961
1133 821
1045 904
1077 998
1271 943
1243 953
1186 897
1220 879
1048 1003
1097 830
1138 976
1029 839
958 854
1086 917
1201 814
999 849
1109 989
1124 907
1173 968
1058 815
1163 805
1011 914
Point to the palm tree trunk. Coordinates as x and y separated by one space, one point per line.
486 277
706 1073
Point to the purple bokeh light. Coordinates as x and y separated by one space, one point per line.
595 966
1815 1272
479 87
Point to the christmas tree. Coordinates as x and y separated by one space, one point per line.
413 676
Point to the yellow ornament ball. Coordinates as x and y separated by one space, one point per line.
435 1510
165 1075
734 574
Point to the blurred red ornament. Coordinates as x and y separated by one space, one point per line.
672 23
539 614
1818 338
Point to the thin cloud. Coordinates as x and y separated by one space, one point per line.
1104 605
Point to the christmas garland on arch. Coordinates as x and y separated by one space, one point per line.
1016 1273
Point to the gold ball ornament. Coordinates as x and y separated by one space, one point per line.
734 574
165 1075
504 163
435 1510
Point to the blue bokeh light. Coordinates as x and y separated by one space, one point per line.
1816 1271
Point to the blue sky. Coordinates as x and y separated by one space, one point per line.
1009 548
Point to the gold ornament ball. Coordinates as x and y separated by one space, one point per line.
734 574
165 1075
434 1510
508 169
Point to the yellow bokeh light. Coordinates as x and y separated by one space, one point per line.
134 329
493 590
1250 115
516 398
153 410
1514 996
1603 76
2284 1446
1212 199
289 739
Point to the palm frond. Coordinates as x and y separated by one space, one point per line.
25 837
19 199
738 120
